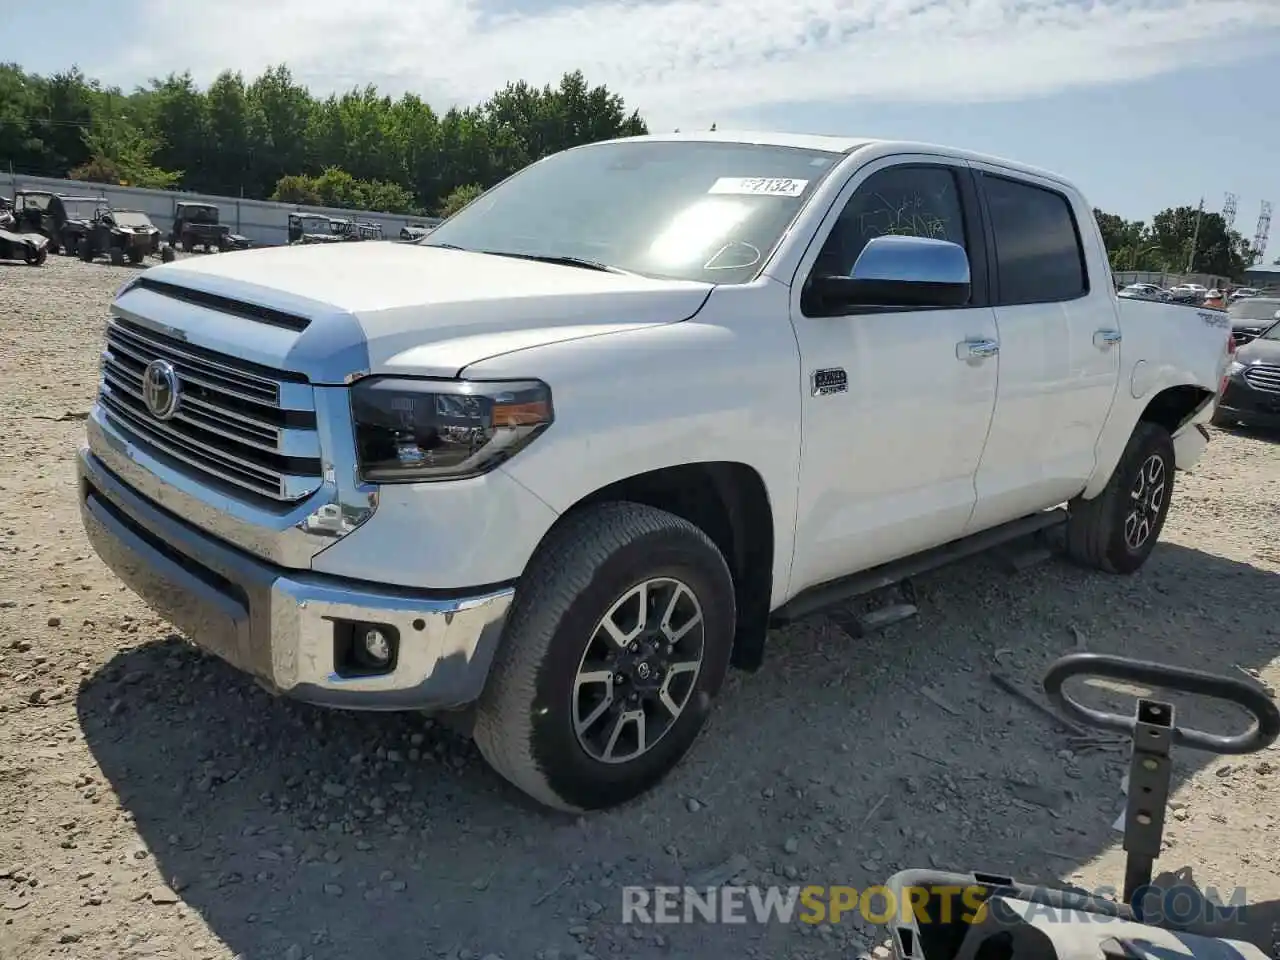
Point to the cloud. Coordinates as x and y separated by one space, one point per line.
687 61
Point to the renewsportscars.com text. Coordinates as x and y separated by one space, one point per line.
881 905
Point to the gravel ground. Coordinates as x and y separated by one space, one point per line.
153 803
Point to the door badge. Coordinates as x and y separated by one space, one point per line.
825 382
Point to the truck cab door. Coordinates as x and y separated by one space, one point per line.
896 401
1060 343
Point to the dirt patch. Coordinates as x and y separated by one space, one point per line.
154 803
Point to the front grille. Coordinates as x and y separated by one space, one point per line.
237 424
1263 376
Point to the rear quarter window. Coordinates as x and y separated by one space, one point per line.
1038 252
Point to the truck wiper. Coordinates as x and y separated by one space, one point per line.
442 246
562 261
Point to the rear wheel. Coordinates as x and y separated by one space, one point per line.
71 247
85 250
1117 530
36 257
135 256
167 255
617 644
117 256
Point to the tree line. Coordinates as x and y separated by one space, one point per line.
271 138
1165 245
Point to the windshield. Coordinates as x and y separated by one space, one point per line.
1253 309
200 214
132 218
1272 334
683 210
81 209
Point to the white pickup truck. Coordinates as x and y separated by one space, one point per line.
560 463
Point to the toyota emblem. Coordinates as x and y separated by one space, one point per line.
161 390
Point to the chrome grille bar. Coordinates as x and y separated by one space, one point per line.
234 424
1263 376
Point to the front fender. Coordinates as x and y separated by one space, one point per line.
724 386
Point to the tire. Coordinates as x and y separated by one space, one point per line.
525 719
84 249
186 245
117 256
1103 533
71 247
36 258
135 256
167 255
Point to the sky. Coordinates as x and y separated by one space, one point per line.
1145 104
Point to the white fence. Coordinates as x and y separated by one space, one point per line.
263 222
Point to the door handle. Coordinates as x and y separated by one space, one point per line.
1102 339
976 349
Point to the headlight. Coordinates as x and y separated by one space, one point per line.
1236 367
408 431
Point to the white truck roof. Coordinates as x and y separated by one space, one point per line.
840 144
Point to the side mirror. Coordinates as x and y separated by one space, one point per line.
1276 315
896 271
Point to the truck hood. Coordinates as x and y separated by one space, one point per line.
386 307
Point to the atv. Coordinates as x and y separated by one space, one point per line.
122 235
308 228
31 247
196 225
62 220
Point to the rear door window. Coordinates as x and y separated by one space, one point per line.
1038 251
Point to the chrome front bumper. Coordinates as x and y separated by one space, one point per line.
281 625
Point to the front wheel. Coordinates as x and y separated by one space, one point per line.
617 644
36 257
1116 531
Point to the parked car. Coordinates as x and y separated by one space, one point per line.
197 226
62 220
1251 316
1188 293
589 439
1252 393
1240 293
1144 291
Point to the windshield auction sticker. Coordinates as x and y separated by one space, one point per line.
759 186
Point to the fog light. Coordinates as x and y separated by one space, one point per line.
377 646
362 649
